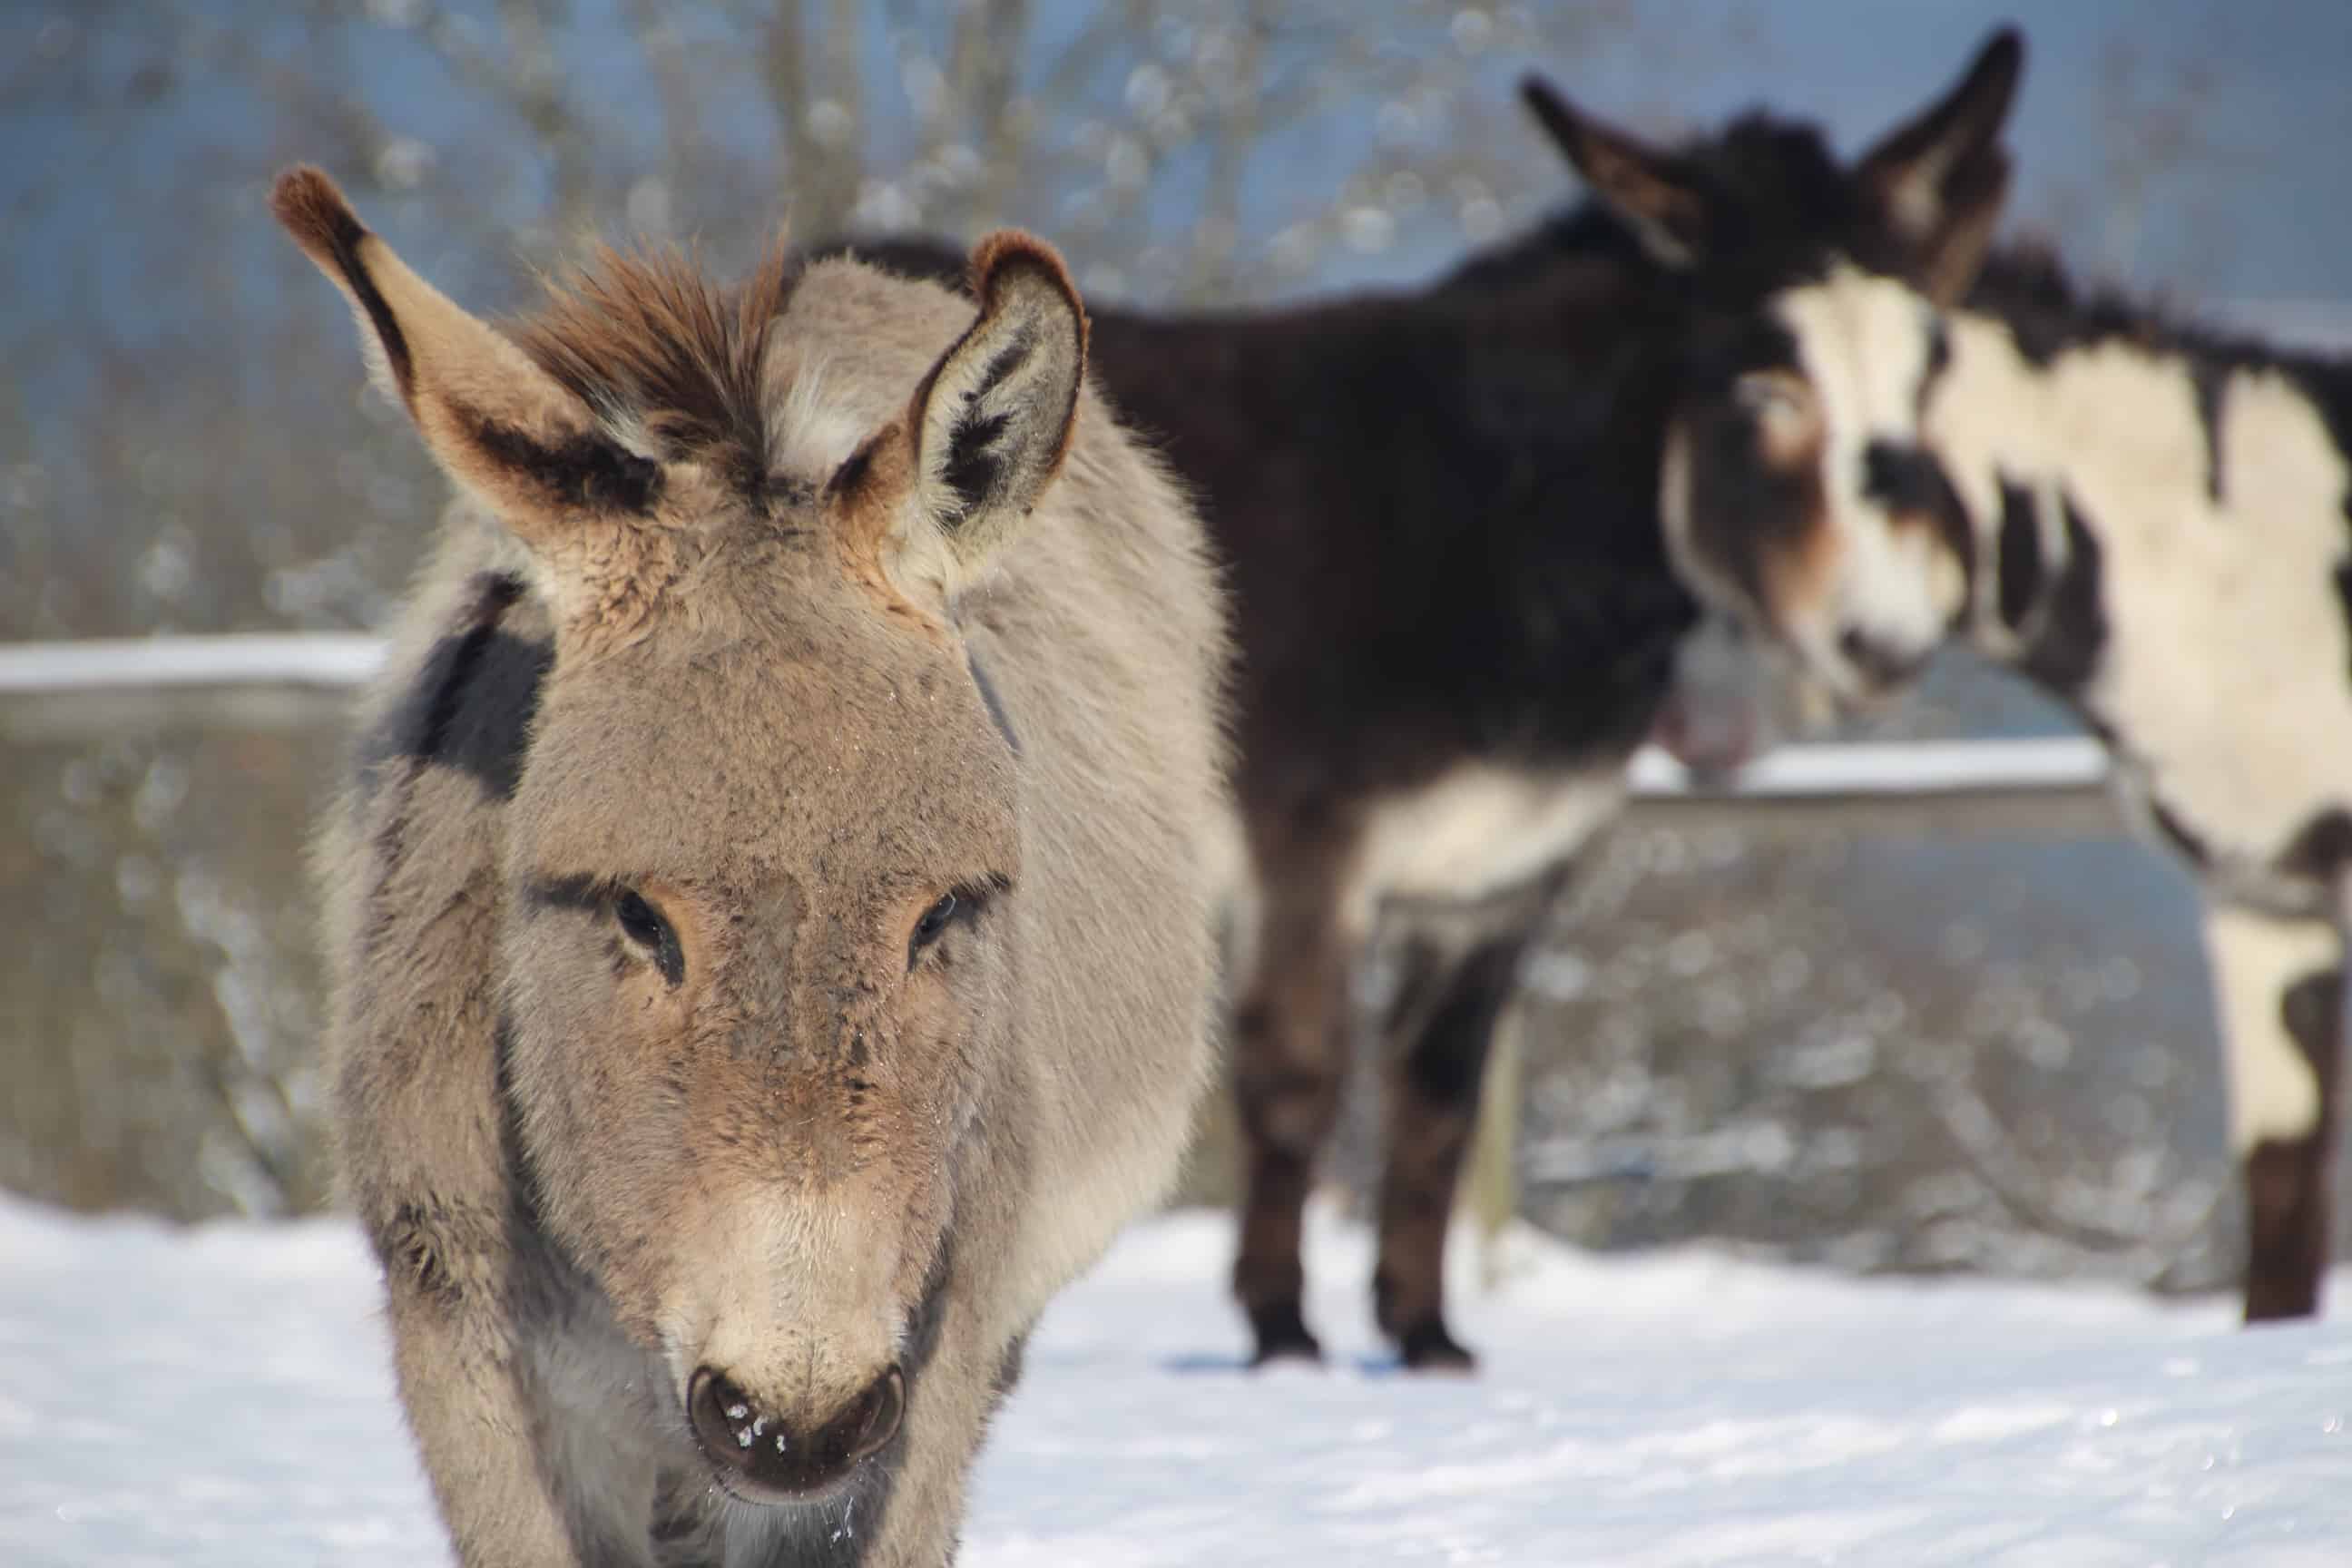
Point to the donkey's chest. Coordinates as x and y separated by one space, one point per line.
2261 819
1475 832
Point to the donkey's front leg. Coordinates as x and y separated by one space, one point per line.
1435 1072
1290 1058
2280 984
949 1403
455 1350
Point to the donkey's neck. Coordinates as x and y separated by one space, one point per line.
2119 491
1565 407
2162 542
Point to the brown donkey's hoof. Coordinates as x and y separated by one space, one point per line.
1427 1347
1281 1332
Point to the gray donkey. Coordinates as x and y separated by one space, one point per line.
770 936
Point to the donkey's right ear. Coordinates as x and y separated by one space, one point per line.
1652 192
1938 180
498 424
994 418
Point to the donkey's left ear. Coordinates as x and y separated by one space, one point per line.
993 420
1938 181
1655 193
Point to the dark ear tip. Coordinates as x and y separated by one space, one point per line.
2002 58
1011 255
314 211
1009 251
1548 105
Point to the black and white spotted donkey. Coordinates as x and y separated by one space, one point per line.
1898 440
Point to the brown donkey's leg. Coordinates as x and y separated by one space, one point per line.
1434 1084
2281 986
1289 1060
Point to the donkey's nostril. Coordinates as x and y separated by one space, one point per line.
762 1457
723 1418
874 1419
1879 662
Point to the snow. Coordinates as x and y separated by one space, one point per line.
220 1396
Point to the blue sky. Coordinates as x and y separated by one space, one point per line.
2256 208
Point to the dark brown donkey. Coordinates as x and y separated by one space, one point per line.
772 941
1439 514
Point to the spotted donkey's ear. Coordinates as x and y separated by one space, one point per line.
993 419
1650 191
1938 181
500 425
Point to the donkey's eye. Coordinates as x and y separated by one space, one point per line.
646 928
961 905
642 924
935 920
1769 393
1787 421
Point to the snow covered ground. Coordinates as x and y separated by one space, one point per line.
220 1396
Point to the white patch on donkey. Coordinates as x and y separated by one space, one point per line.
1477 831
2273 1092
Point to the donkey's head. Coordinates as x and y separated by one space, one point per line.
1791 496
762 861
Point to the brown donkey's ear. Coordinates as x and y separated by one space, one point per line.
1651 191
498 424
1938 181
993 419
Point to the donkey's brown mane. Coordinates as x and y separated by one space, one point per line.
666 355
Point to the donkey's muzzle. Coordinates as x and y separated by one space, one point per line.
763 1458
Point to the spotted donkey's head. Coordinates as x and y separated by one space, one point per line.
1792 495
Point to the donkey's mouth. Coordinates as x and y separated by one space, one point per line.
829 1496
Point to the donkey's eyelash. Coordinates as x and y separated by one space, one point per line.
961 904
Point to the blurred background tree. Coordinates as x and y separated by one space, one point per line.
1879 1054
